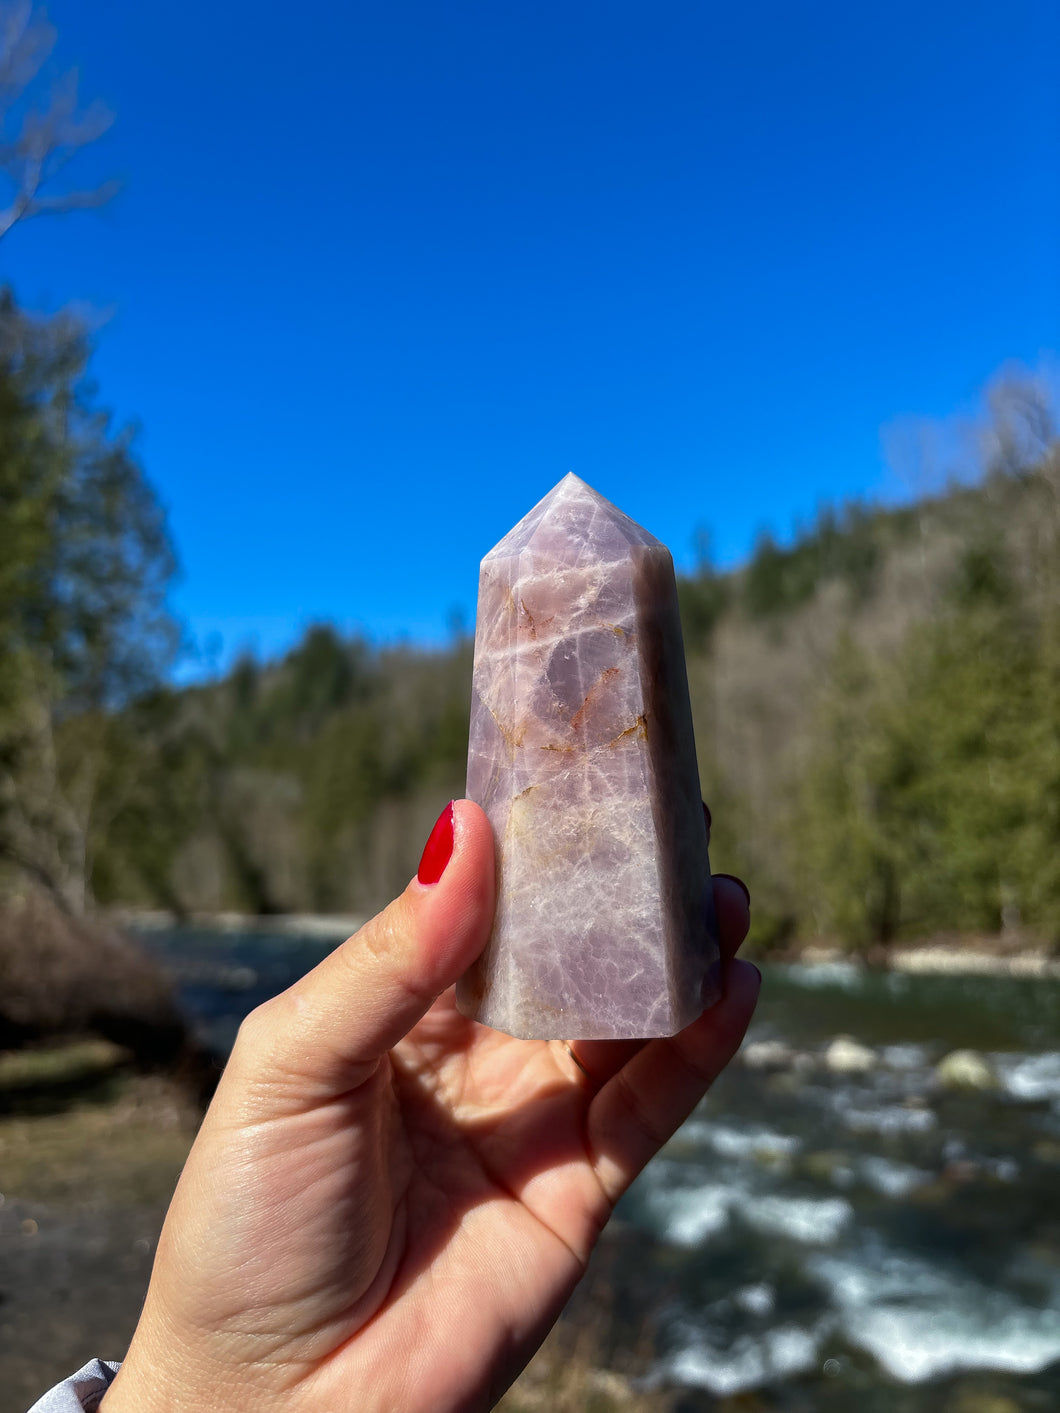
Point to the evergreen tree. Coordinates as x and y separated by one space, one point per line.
84 568
854 837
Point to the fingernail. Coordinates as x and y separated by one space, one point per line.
438 849
733 879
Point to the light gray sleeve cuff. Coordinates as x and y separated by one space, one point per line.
81 1392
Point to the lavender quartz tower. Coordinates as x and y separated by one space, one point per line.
582 756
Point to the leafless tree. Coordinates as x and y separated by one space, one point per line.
42 127
1022 427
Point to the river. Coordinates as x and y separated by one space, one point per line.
838 1224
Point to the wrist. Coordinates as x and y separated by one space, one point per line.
157 1382
131 1394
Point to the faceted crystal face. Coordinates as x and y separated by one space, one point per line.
582 755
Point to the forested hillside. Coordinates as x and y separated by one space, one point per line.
878 715
877 702
878 721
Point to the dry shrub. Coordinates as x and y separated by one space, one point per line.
63 976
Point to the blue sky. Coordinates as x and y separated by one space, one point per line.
382 273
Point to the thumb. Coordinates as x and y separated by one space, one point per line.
324 1035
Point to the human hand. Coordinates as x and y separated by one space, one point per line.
388 1205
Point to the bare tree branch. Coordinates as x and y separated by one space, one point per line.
37 141
25 43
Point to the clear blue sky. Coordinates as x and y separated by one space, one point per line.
382 273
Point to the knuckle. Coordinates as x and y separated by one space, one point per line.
258 1036
254 1027
384 943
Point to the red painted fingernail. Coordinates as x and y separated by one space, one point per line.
739 882
438 849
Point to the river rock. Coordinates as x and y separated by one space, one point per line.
966 1069
828 1165
767 1055
848 1056
981 1401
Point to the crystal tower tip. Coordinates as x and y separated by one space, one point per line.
572 520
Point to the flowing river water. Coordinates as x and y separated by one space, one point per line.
846 1221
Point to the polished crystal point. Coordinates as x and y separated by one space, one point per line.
582 756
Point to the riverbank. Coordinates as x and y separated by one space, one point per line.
950 958
89 1155
953 955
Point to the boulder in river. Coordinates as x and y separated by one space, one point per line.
848 1056
966 1069
767 1055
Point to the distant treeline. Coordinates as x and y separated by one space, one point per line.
877 702
878 723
